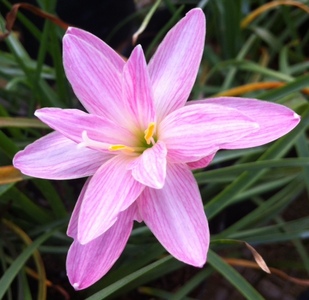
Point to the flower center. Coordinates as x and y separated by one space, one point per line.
147 141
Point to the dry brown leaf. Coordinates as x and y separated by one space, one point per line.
11 17
9 174
249 264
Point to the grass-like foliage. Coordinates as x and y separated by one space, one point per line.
257 49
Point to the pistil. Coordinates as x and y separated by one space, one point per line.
88 142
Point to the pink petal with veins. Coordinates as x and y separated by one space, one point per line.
175 215
112 189
56 157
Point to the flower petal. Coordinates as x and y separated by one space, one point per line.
202 163
94 73
112 56
175 215
112 189
150 167
196 131
56 157
87 263
73 224
72 122
174 66
137 90
275 120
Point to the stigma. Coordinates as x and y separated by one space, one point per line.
90 143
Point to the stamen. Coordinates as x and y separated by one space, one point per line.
149 133
120 147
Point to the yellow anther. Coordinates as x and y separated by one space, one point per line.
149 132
120 148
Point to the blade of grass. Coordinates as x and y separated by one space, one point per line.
296 85
12 271
22 123
229 273
302 150
191 284
52 197
297 229
7 146
61 81
268 209
36 256
166 27
145 22
297 243
256 165
248 66
35 212
163 265
158 293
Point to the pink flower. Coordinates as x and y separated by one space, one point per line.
138 144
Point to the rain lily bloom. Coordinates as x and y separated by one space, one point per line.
138 144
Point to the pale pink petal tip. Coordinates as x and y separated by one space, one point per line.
296 116
76 286
137 92
275 120
86 264
174 66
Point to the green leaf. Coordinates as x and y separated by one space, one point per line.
294 86
163 265
19 263
229 273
